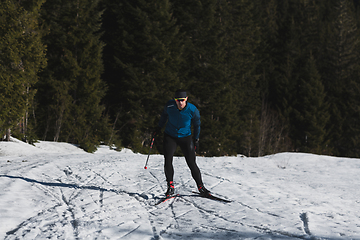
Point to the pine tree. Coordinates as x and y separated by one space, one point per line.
354 101
243 44
291 30
308 119
352 126
311 111
220 38
142 56
339 70
276 57
71 88
201 23
22 56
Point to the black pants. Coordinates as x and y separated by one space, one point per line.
187 147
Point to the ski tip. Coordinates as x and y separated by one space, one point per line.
211 196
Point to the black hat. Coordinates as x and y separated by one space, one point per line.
180 93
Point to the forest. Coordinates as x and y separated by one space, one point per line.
267 76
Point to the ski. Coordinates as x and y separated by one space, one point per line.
212 197
162 200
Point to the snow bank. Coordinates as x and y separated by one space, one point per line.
58 191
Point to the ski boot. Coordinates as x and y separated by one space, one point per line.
171 189
203 191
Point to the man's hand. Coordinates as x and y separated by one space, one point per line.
196 145
156 131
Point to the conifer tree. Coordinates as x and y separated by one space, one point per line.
71 88
308 122
311 111
276 57
354 100
339 70
220 38
243 44
204 54
142 56
292 29
22 56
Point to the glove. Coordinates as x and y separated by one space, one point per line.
196 145
156 131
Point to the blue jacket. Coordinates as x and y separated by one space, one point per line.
179 122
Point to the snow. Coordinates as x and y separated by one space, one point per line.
58 191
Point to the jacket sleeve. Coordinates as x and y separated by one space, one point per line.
196 123
163 118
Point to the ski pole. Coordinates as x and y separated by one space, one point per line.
152 142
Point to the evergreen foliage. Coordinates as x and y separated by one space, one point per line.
340 73
310 112
219 70
267 75
205 30
71 88
22 56
145 53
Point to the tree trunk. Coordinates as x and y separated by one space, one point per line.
7 136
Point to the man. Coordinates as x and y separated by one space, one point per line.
179 115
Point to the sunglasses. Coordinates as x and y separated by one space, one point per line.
180 99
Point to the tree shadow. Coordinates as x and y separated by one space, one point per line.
76 186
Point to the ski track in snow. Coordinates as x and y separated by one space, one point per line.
108 195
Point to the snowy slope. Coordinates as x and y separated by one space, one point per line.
57 191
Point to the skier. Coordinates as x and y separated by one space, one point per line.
179 115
